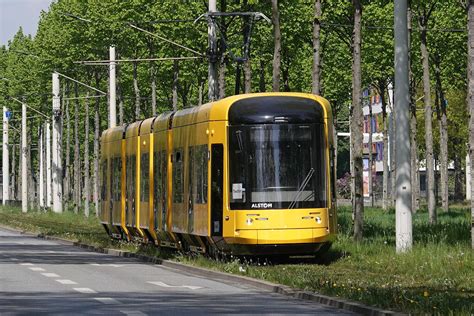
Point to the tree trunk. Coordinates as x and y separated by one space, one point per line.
262 86
277 48
137 92
238 77
371 158
415 178
393 151
458 178
356 124
153 88
247 65
86 161
200 94
385 202
119 93
96 149
443 141
77 162
316 89
223 49
286 77
67 176
428 122
222 73
13 175
29 168
175 85
470 27
20 159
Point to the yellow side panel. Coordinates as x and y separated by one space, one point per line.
180 209
218 135
114 152
144 214
169 215
137 187
104 210
151 218
201 219
123 187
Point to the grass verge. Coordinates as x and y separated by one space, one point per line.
436 277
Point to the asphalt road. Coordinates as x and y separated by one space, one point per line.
46 277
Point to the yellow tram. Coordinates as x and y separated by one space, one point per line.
249 174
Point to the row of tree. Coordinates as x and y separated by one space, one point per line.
330 47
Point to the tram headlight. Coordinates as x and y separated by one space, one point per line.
318 220
249 221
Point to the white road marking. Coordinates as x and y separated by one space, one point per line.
66 281
107 300
26 264
36 269
133 313
50 275
13 259
84 290
107 265
191 287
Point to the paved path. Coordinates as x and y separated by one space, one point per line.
46 277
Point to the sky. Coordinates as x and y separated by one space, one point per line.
16 13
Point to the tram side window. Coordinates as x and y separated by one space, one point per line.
131 177
191 173
199 176
145 177
178 183
321 176
159 179
103 182
116 178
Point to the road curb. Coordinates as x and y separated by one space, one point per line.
217 275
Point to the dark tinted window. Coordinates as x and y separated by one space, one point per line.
178 176
277 166
145 177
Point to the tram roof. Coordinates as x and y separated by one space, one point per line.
214 111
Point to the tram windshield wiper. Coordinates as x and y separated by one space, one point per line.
239 140
301 188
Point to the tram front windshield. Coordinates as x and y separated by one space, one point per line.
277 166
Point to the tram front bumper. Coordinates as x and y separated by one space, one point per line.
279 236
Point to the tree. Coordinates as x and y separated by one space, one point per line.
277 48
356 123
316 89
378 71
424 12
470 101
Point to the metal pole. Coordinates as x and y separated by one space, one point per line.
57 163
468 178
49 191
41 167
212 52
403 222
5 160
112 89
24 175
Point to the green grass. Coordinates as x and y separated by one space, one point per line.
436 277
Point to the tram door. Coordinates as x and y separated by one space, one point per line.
217 190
